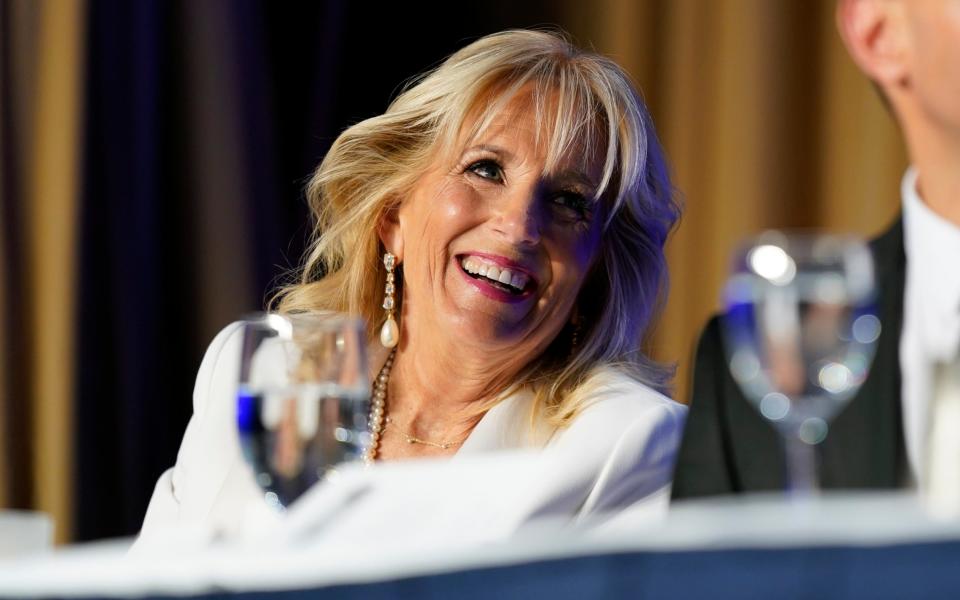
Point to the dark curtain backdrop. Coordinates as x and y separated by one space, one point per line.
202 121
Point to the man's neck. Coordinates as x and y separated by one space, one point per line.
936 156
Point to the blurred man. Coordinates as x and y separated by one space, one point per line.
911 50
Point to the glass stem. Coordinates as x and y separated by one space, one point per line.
802 477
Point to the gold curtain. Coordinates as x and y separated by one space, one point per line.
766 122
45 54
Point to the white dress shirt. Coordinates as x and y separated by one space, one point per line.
931 314
619 451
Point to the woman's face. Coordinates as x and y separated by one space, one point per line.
494 251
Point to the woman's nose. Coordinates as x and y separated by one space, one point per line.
518 218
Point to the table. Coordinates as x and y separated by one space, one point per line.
846 546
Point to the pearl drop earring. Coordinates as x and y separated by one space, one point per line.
390 332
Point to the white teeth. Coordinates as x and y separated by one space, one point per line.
477 266
472 265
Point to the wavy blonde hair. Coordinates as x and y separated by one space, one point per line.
576 96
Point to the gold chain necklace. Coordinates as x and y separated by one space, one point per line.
379 419
412 439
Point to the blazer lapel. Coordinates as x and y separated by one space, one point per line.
508 425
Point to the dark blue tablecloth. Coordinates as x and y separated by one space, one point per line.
927 570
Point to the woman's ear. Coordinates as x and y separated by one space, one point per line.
875 33
389 231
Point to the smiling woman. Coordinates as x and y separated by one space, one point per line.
501 229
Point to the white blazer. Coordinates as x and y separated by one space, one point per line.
619 451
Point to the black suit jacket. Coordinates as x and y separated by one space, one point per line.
729 448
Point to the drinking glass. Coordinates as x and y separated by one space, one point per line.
303 399
800 331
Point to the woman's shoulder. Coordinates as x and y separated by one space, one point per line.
230 337
613 391
615 406
622 443
220 360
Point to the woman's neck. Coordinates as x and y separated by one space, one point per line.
441 392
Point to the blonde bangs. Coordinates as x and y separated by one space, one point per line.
575 111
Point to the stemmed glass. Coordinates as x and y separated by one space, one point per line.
800 331
303 399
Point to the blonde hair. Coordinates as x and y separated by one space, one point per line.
577 96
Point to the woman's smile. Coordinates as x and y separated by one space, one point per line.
497 277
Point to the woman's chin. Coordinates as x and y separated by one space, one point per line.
466 319
486 331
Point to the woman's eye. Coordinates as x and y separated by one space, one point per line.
487 169
574 204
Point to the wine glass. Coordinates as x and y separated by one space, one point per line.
800 331
303 399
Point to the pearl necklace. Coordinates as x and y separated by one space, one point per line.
379 419
378 408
